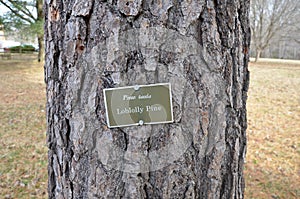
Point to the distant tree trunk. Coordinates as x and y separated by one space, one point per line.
200 47
41 48
257 54
40 36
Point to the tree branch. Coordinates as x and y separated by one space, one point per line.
23 8
269 19
16 9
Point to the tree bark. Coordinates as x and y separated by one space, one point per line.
200 47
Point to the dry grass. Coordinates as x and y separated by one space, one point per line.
273 157
23 152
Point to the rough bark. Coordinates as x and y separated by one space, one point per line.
92 45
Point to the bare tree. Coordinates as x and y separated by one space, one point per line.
295 34
270 19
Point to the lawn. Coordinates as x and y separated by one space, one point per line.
23 151
273 155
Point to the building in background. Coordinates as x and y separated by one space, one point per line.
4 43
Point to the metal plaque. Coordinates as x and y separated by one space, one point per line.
138 105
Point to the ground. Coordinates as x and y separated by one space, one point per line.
23 151
273 153
272 162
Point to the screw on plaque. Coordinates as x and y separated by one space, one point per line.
136 87
141 122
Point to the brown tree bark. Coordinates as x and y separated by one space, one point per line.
200 47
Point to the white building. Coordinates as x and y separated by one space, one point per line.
6 43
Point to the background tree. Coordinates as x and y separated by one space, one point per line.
200 47
1 20
26 17
272 19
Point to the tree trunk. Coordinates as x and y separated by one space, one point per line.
41 48
200 47
40 36
257 55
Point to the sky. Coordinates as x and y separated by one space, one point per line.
8 43
3 9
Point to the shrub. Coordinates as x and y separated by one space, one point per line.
22 49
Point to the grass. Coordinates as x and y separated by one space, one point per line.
273 156
23 152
